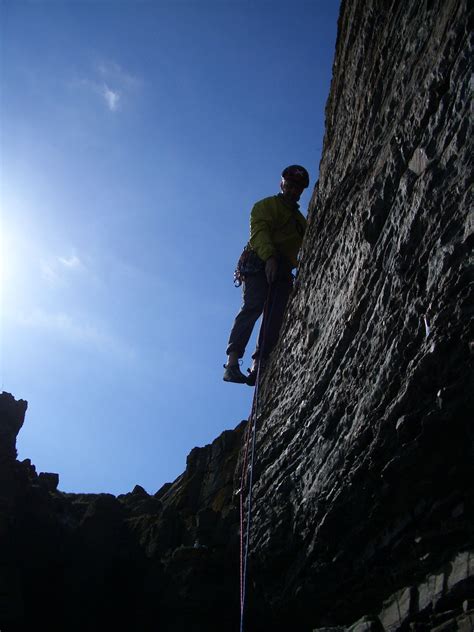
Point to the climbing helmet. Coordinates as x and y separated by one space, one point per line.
297 174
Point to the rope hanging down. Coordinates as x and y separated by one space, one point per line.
249 440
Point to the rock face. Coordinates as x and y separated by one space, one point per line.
363 497
366 445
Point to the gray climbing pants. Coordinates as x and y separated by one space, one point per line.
256 291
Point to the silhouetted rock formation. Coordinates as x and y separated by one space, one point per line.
363 496
165 560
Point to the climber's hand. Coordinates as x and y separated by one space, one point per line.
271 269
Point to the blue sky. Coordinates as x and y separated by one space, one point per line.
135 138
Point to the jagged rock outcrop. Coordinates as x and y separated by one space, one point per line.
363 497
170 557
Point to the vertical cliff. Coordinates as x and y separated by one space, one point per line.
365 444
363 495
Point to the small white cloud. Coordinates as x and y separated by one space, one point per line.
111 98
83 334
73 262
113 73
113 84
55 269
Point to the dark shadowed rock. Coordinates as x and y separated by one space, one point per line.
48 480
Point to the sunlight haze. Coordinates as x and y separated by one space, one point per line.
135 138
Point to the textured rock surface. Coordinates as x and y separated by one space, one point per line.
366 432
363 498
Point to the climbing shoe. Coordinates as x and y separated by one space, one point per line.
232 373
251 377
253 372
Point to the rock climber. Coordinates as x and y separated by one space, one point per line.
265 271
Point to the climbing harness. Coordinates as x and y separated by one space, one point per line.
247 473
249 263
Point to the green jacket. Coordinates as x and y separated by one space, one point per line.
276 228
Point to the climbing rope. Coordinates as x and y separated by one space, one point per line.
249 442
